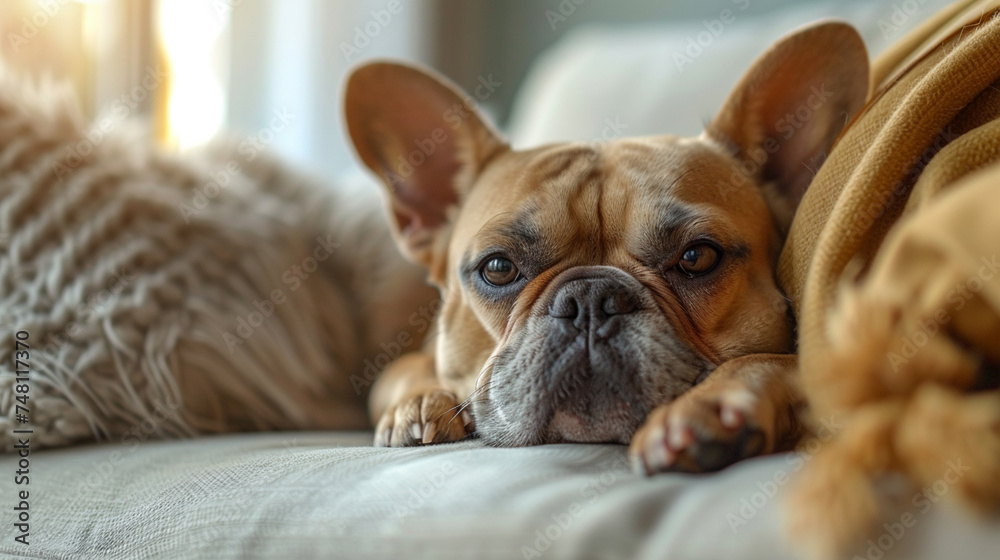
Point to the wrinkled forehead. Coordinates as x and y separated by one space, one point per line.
591 197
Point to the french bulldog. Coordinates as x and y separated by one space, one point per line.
622 292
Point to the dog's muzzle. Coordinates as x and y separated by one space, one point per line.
588 309
594 356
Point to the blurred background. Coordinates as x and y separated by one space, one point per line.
271 71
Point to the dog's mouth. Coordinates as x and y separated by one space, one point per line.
590 363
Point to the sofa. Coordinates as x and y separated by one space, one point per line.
332 495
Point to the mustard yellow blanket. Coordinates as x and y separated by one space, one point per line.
893 267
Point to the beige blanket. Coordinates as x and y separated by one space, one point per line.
893 265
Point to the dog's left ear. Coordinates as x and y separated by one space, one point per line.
426 141
788 109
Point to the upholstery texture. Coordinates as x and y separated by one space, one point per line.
311 495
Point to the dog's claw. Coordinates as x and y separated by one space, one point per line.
660 459
430 430
382 438
468 422
732 418
423 419
699 432
680 438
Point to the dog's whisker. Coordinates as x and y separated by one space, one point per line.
487 367
481 387
462 406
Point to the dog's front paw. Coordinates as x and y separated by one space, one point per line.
704 430
428 417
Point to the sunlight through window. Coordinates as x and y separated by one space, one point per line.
194 36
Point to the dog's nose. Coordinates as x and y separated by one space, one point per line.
589 303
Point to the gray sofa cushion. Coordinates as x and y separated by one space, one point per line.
329 495
669 77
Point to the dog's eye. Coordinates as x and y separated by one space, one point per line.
499 271
698 260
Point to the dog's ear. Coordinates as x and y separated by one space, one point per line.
788 109
427 143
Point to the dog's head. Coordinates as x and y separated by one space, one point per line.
584 285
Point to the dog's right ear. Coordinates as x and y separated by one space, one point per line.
427 143
788 109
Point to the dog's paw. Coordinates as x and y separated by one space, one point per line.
429 417
704 430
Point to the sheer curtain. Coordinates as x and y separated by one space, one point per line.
288 60
266 71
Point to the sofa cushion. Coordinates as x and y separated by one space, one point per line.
603 81
330 495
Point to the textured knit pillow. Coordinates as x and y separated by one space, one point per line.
166 295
